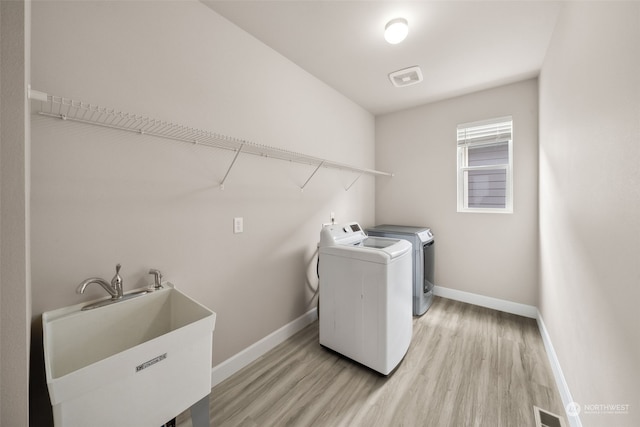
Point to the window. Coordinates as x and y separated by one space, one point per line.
485 166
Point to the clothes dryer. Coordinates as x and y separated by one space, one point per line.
423 243
365 305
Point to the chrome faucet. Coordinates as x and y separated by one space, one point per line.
157 278
114 288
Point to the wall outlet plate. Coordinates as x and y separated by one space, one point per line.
238 225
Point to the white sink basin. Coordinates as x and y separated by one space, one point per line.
138 362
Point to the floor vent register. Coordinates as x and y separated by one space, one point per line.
547 419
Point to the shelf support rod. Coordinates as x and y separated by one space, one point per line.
354 181
309 179
231 166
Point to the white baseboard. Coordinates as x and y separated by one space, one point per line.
224 370
563 387
489 302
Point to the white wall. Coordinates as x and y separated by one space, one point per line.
488 254
15 305
590 204
102 196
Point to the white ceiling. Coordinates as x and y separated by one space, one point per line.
461 46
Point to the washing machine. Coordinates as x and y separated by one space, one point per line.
365 309
423 243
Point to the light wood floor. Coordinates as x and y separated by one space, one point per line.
466 366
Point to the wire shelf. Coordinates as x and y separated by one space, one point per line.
78 111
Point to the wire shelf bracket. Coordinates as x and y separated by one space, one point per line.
354 181
309 179
92 114
231 166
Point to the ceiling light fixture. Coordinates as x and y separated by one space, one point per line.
396 30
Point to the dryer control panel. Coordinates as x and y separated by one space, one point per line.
425 235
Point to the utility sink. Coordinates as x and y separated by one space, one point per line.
138 362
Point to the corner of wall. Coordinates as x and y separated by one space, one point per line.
15 304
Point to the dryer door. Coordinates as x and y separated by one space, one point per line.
428 252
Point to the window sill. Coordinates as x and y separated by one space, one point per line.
487 210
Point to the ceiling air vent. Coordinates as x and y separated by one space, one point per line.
406 76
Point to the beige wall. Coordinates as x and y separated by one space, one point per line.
590 204
488 254
102 196
15 305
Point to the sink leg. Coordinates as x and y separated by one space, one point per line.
200 413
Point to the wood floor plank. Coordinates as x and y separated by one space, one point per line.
466 366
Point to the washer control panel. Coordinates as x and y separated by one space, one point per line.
344 234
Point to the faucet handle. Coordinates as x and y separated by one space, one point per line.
116 281
157 278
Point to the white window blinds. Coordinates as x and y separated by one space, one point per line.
485 132
484 166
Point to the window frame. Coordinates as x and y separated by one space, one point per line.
462 165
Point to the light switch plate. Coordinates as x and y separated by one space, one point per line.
238 226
